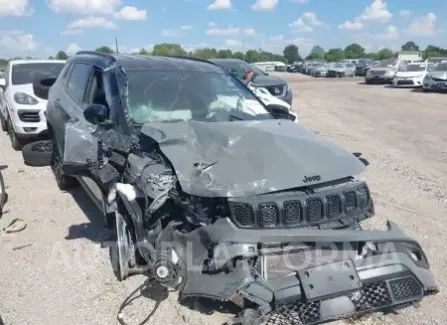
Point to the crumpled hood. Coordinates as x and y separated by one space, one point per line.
240 158
439 74
263 81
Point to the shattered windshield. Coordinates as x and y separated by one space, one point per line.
154 96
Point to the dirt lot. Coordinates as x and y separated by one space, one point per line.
57 271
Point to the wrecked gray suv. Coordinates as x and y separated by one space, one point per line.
222 198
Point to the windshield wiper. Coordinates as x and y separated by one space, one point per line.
234 117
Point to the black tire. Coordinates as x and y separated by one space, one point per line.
64 182
121 255
3 123
38 153
42 84
15 141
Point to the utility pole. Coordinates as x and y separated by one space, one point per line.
116 45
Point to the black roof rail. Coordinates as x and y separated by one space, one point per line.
96 53
188 58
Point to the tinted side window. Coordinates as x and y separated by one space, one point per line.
78 81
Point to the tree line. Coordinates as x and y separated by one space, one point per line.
289 55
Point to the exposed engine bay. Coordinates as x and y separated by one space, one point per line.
196 215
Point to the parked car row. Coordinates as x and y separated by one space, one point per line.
430 75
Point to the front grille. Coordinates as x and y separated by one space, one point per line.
373 296
439 79
405 82
405 288
268 214
276 90
292 213
244 214
295 209
378 73
29 116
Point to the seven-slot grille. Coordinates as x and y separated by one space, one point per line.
29 116
332 209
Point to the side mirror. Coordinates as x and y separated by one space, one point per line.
2 83
97 114
280 112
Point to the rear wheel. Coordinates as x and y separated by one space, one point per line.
15 142
63 181
3 123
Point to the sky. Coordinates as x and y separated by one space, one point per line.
40 28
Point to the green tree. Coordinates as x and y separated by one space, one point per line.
168 49
205 53
317 53
385 54
225 54
238 55
354 51
432 51
105 49
144 52
51 57
252 56
61 55
334 55
410 46
291 53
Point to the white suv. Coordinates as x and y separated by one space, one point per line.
21 107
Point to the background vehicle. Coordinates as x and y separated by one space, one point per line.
437 79
342 70
320 70
437 59
413 75
23 104
385 71
276 86
362 67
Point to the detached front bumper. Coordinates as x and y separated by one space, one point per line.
250 268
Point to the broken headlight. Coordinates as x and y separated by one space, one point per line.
204 210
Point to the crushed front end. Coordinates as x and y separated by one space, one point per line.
297 276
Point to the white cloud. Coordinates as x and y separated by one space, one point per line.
91 22
351 25
171 33
377 11
223 31
211 24
249 31
300 26
405 13
220 4
186 27
73 48
311 18
277 44
15 41
15 8
72 32
87 7
423 26
131 13
305 22
392 33
232 43
263 5
301 1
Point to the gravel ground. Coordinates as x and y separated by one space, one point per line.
58 272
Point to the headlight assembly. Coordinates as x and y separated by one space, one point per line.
24 99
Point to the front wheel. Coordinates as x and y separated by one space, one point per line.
15 142
124 256
63 181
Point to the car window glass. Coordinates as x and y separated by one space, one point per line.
78 81
95 92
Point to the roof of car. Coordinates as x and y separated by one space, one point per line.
151 62
35 61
